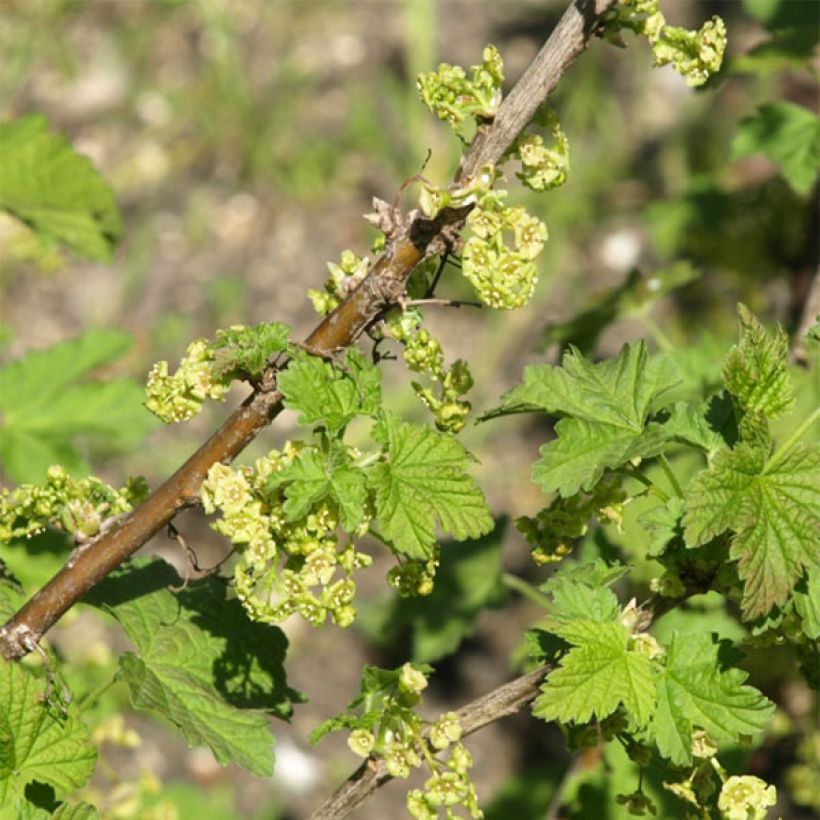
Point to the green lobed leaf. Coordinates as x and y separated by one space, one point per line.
773 507
607 405
593 574
58 192
709 425
39 740
807 603
75 811
576 460
617 391
756 371
694 693
23 809
573 601
423 480
664 524
314 476
789 135
242 352
707 614
45 403
200 662
596 676
328 396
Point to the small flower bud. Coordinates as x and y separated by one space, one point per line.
411 680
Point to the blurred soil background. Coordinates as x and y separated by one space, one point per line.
244 140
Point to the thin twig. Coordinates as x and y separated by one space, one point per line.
414 239
501 702
507 699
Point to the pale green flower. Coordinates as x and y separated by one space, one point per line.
746 797
446 789
361 742
397 762
460 758
446 730
418 807
411 680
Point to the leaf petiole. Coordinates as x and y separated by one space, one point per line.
673 480
95 694
527 589
632 472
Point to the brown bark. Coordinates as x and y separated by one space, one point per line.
414 238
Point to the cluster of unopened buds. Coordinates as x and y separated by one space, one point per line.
285 567
455 97
343 279
552 533
79 506
399 741
423 354
412 578
695 55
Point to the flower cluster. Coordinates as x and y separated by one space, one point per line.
180 396
552 533
453 97
413 578
542 167
695 55
423 354
79 506
422 351
637 803
746 797
343 279
741 797
208 368
285 567
504 277
383 723
448 407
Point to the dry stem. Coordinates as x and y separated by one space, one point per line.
413 239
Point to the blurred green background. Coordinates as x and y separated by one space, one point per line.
244 139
